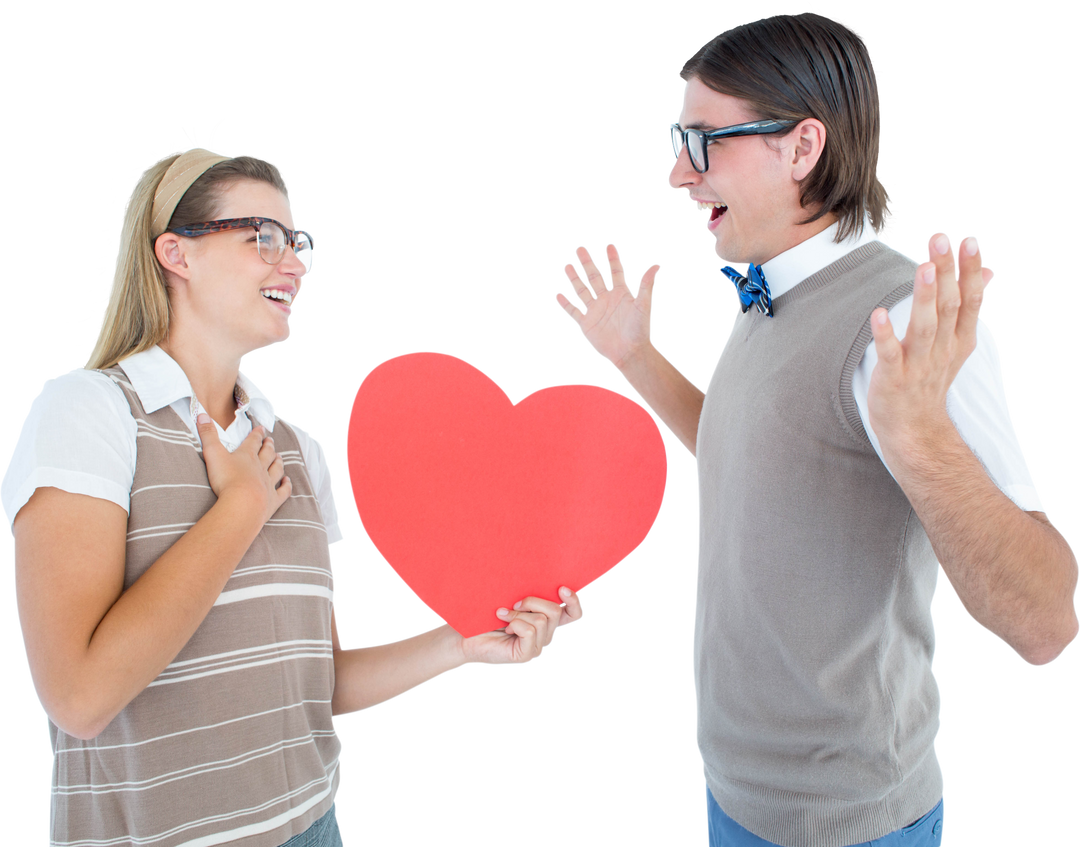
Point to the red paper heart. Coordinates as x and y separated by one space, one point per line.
478 503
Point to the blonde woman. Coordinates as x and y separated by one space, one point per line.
171 540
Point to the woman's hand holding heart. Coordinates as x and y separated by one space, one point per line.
530 630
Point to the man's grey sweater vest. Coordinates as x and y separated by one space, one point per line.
817 708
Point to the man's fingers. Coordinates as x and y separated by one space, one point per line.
923 327
570 308
596 281
888 348
948 290
972 290
618 279
578 285
571 610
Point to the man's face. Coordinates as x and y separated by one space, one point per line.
750 177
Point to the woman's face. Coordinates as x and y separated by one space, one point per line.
227 299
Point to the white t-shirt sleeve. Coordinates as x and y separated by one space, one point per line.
977 406
320 481
78 437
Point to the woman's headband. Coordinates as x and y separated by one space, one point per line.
187 168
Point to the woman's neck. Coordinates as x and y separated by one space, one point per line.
212 375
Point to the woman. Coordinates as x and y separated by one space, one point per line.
171 538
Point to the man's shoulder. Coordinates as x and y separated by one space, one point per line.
873 275
876 260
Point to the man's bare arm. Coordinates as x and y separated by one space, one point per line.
676 400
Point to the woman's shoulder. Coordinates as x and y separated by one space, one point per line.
77 392
78 417
79 436
84 399
308 445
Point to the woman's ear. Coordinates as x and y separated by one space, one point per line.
808 143
171 253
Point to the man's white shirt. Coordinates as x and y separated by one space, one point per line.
976 400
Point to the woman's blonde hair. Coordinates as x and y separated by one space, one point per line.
138 314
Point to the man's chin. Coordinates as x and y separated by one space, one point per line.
729 253
724 259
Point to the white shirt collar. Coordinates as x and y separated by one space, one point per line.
160 381
791 267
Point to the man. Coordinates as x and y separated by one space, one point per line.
836 462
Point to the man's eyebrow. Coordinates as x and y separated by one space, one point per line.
704 127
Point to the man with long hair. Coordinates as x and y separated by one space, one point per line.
854 434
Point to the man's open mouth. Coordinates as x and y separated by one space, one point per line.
715 215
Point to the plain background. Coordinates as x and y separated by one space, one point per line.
448 158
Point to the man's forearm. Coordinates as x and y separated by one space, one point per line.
675 399
370 675
1012 570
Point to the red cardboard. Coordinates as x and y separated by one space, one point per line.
478 503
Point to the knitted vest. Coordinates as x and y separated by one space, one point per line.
233 742
817 709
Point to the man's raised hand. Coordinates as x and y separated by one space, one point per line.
909 385
613 321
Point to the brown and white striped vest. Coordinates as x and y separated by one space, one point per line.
233 742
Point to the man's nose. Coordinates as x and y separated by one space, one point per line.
682 173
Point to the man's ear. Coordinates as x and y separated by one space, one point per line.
807 142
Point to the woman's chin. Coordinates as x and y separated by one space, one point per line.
285 338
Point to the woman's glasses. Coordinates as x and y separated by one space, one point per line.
271 238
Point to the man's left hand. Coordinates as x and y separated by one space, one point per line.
530 629
912 378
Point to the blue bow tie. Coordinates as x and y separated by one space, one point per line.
753 291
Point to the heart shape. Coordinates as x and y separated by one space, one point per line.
478 503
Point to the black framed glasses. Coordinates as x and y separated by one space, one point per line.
271 237
697 140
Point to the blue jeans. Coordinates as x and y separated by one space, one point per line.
322 833
925 832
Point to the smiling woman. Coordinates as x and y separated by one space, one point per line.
235 282
177 192
171 542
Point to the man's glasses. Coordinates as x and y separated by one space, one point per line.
697 141
271 237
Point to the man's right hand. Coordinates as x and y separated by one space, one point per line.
615 321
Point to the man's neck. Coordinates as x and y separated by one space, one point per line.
799 233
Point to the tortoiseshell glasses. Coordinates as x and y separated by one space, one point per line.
271 237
